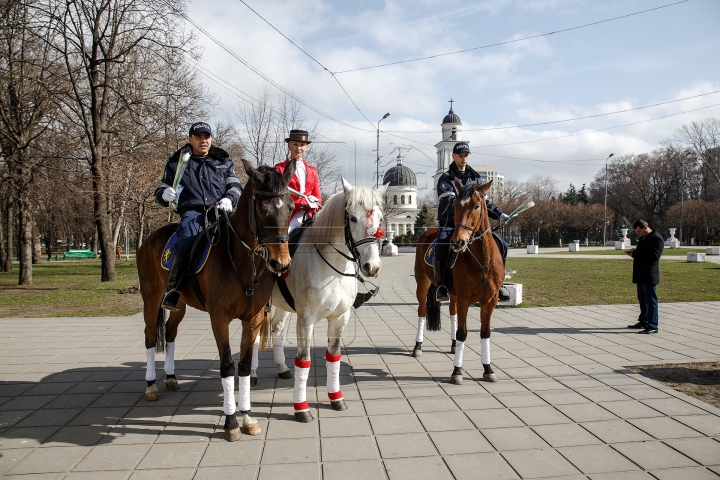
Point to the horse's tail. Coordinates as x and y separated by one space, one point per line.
265 329
160 331
433 310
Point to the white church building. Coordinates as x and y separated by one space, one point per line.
401 198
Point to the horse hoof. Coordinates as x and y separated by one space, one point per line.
253 381
456 379
286 375
151 393
417 353
233 435
304 417
489 377
171 384
251 427
338 405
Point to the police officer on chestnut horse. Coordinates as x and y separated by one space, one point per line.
207 178
447 193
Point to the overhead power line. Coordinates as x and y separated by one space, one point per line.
510 41
262 75
313 59
551 122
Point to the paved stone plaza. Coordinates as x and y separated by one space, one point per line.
72 405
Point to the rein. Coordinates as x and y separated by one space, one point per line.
477 263
259 251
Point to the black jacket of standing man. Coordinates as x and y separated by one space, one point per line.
646 275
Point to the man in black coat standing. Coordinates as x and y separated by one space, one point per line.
646 275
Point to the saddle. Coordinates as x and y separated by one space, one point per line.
430 253
201 250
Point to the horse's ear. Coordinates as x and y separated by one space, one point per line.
381 190
251 171
347 186
486 187
289 170
458 185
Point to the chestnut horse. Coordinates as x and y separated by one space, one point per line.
236 282
478 273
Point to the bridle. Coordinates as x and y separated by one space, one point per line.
353 245
472 230
261 249
476 263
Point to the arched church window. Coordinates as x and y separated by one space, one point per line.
410 199
395 199
402 199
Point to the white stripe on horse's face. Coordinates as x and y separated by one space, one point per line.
279 203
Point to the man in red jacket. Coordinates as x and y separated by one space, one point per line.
305 180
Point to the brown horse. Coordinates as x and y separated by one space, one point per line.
236 282
477 274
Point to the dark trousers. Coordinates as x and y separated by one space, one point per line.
191 224
647 296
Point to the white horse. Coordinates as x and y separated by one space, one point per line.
342 242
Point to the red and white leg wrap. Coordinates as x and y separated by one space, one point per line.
421 326
302 371
150 368
453 327
332 362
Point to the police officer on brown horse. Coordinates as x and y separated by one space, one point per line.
208 179
446 192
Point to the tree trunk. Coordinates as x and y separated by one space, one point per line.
141 229
102 220
37 247
7 266
2 238
25 237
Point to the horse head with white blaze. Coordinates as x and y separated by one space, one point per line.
363 217
471 217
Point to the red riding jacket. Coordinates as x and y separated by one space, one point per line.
312 187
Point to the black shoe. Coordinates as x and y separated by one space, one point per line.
637 325
441 294
503 294
361 298
171 300
648 331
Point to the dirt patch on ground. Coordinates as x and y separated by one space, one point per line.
700 380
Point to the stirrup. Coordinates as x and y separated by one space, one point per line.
503 294
361 298
441 294
171 300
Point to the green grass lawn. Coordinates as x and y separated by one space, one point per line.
68 289
553 282
668 251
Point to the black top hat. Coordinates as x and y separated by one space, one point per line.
298 136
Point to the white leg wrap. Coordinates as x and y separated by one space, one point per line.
278 348
332 363
485 351
228 384
453 327
459 347
244 394
150 370
302 371
170 358
421 326
256 347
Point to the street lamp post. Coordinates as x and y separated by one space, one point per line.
682 194
377 163
606 183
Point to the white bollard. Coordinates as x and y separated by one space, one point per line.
695 257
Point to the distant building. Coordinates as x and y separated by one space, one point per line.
401 198
451 134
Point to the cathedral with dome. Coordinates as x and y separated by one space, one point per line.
400 198
401 194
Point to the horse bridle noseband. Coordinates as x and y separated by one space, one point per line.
472 230
476 263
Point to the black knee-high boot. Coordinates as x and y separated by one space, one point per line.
175 280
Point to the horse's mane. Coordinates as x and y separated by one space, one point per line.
273 179
329 223
467 192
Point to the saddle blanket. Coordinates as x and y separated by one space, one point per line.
167 255
430 255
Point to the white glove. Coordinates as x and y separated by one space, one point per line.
168 194
504 217
225 204
312 202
